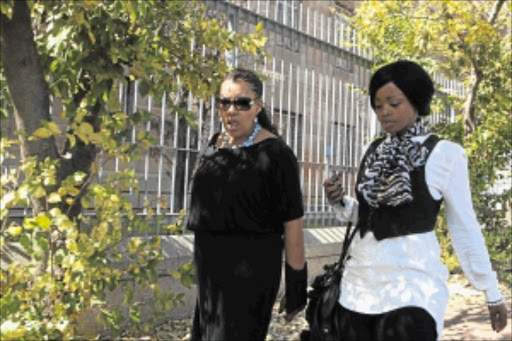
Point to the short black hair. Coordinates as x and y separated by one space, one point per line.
410 78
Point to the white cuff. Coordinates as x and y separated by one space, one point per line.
493 295
348 212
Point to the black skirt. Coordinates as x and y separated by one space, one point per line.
402 324
238 278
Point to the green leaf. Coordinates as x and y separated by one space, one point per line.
54 128
135 314
43 221
128 295
39 192
26 242
54 198
259 27
42 133
14 230
54 42
42 241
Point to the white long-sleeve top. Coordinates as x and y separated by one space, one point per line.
407 270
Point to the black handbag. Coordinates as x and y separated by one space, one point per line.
322 312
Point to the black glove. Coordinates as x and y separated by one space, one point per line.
296 283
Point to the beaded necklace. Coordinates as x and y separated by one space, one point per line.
246 143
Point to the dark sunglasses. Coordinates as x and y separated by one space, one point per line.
241 103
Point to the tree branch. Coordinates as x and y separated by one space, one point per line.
495 11
28 89
476 78
25 78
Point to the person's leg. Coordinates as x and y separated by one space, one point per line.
253 287
238 278
405 324
209 323
195 333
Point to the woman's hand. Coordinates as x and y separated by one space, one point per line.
296 270
295 298
334 190
288 317
498 314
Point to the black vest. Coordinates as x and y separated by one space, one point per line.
417 216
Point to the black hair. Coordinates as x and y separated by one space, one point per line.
410 78
254 81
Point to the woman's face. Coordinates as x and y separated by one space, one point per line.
238 116
394 111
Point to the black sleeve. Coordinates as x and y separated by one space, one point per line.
286 190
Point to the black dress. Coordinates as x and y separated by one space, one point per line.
240 199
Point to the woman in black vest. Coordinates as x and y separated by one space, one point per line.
246 202
394 283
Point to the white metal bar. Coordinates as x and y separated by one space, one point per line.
134 131
333 112
319 151
289 97
304 120
342 35
200 115
175 148
120 98
281 93
301 22
212 114
187 162
293 17
335 33
346 146
161 154
311 137
308 12
146 158
273 88
321 27
315 16
340 126
297 113
352 128
329 30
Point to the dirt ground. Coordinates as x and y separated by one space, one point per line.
467 317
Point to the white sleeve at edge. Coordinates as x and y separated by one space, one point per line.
349 212
465 231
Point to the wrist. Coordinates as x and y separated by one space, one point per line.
295 287
495 303
294 267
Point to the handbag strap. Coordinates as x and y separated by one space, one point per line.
349 235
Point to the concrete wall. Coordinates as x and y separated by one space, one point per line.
323 245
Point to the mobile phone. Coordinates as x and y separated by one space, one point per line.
338 178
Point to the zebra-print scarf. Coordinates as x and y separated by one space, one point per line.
386 173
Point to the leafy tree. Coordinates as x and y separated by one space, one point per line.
81 51
469 41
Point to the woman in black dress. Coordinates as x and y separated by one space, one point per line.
246 204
